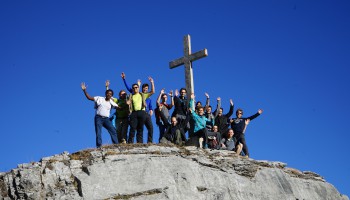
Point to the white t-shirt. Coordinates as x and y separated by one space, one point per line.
103 107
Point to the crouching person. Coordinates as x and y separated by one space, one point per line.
174 133
229 143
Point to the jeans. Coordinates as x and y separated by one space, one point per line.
162 129
105 122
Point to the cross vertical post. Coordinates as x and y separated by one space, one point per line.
187 60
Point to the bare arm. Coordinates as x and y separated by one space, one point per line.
218 106
172 99
107 84
160 96
153 90
207 102
246 124
83 87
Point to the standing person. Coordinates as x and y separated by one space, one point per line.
199 122
149 113
181 108
121 115
162 101
238 125
148 106
222 121
103 107
138 112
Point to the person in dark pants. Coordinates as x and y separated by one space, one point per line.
174 133
238 125
103 106
223 120
121 116
139 118
162 101
181 108
149 113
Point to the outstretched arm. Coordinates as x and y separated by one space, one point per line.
218 106
228 115
160 95
126 85
255 115
107 84
207 102
83 87
171 95
153 90
246 122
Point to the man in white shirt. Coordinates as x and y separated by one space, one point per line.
103 106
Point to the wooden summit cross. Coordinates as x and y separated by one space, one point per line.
187 60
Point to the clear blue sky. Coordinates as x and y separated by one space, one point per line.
290 58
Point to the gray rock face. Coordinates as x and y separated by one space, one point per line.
161 172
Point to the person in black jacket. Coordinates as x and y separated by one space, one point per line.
181 108
174 131
222 121
238 125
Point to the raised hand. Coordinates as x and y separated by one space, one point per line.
162 91
260 111
231 102
107 83
218 99
83 86
176 92
150 79
123 75
138 82
207 95
171 93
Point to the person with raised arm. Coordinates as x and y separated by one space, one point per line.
121 115
138 114
103 106
199 122
162 101
222 120
239 124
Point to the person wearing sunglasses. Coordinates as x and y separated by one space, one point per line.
238 125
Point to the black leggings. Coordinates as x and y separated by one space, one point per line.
240 138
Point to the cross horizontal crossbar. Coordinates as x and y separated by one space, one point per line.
181 61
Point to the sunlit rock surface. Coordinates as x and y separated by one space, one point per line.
161 172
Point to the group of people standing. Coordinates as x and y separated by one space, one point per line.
213 129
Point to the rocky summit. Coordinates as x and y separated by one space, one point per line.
161 172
